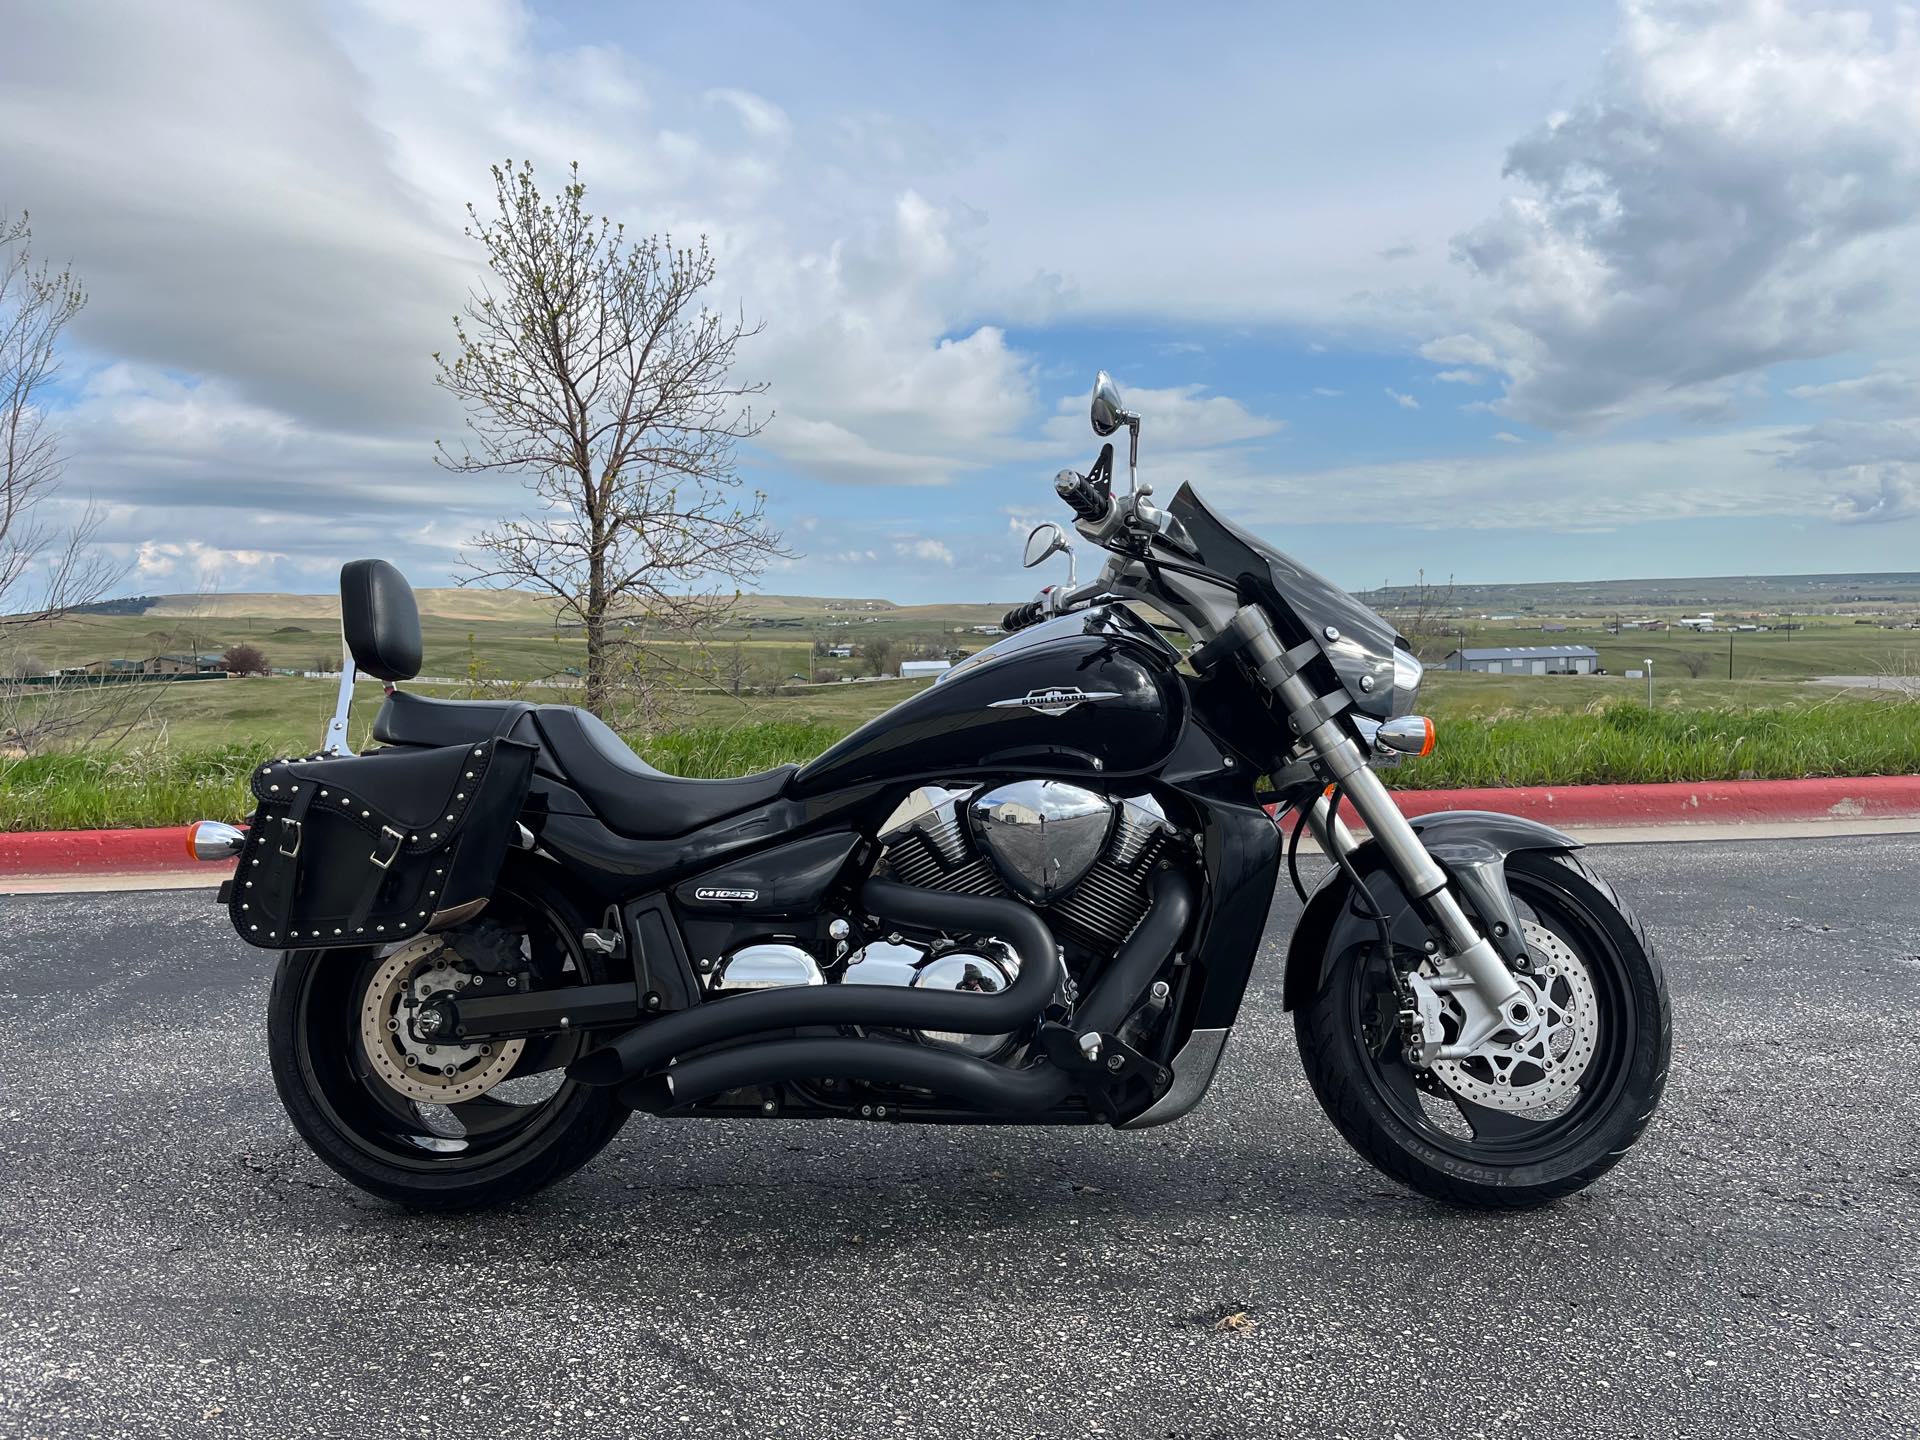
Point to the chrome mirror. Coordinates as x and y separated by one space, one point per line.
1108 413
1043 544
1108 416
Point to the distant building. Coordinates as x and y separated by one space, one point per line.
921 669
1703 621
1527 660
183 665
840 652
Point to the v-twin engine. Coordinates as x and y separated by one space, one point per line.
1079 856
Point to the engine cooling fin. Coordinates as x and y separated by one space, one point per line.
1099 913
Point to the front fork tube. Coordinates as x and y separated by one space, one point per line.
1502 999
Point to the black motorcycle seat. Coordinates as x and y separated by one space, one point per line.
627 793
420 720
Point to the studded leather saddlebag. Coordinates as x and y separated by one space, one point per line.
369 849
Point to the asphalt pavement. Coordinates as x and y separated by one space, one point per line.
174 1262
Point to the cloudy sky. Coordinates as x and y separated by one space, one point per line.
1502 291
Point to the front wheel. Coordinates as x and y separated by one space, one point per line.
1525 1119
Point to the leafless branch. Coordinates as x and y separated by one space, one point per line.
589 364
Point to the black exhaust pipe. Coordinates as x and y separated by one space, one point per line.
650 1046
948 1073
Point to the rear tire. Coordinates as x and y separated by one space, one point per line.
399 1150
1401 1120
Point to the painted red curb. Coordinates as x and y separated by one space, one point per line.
1717 802
1710 802
99 852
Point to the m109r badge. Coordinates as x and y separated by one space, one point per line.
737 897
1055 700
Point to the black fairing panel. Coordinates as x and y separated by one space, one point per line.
1305 605
791 879
977 717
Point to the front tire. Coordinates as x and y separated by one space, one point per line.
1425 1132
526 1129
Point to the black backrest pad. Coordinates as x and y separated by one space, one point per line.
381 621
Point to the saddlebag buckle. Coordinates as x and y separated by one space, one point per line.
288 823
398 840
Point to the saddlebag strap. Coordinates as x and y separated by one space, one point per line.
509 718
387 845
386 850
281 880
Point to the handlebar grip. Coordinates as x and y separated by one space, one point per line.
1020 616
1085 501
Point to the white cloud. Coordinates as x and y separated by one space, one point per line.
1405 402
199 564
1881 390
1324 391
1566 488
1507 437
762 118
925 550
1181 418
1460 377
1740 188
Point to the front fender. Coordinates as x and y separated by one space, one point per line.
1470 845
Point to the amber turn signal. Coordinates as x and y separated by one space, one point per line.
1410 735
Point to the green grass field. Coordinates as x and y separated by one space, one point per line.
194 745
192 759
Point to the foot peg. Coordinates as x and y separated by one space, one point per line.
602 942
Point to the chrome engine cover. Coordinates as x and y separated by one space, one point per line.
1041 835
767 966
929 844
985 968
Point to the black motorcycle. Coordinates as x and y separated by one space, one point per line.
1030 893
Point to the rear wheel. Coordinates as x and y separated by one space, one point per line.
1527 1118
430 1125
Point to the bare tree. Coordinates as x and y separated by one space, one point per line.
876 652
734 669
41 571
46 569
1425 615
589 364
1694 662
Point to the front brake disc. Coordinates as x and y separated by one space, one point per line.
1506 1072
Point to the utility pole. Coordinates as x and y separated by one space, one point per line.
1729 655
1648 662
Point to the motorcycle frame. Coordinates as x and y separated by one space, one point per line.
632 881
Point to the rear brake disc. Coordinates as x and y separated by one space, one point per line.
429 1072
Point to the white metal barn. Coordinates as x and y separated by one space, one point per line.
1527 660
920 669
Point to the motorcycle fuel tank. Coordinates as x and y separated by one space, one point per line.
1092 694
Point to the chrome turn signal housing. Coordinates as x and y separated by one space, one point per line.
214 840
1409 735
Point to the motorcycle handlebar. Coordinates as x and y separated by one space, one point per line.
1082 497
1020 616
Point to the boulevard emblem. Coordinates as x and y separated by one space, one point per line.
1056 700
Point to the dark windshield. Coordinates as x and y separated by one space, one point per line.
1304 605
